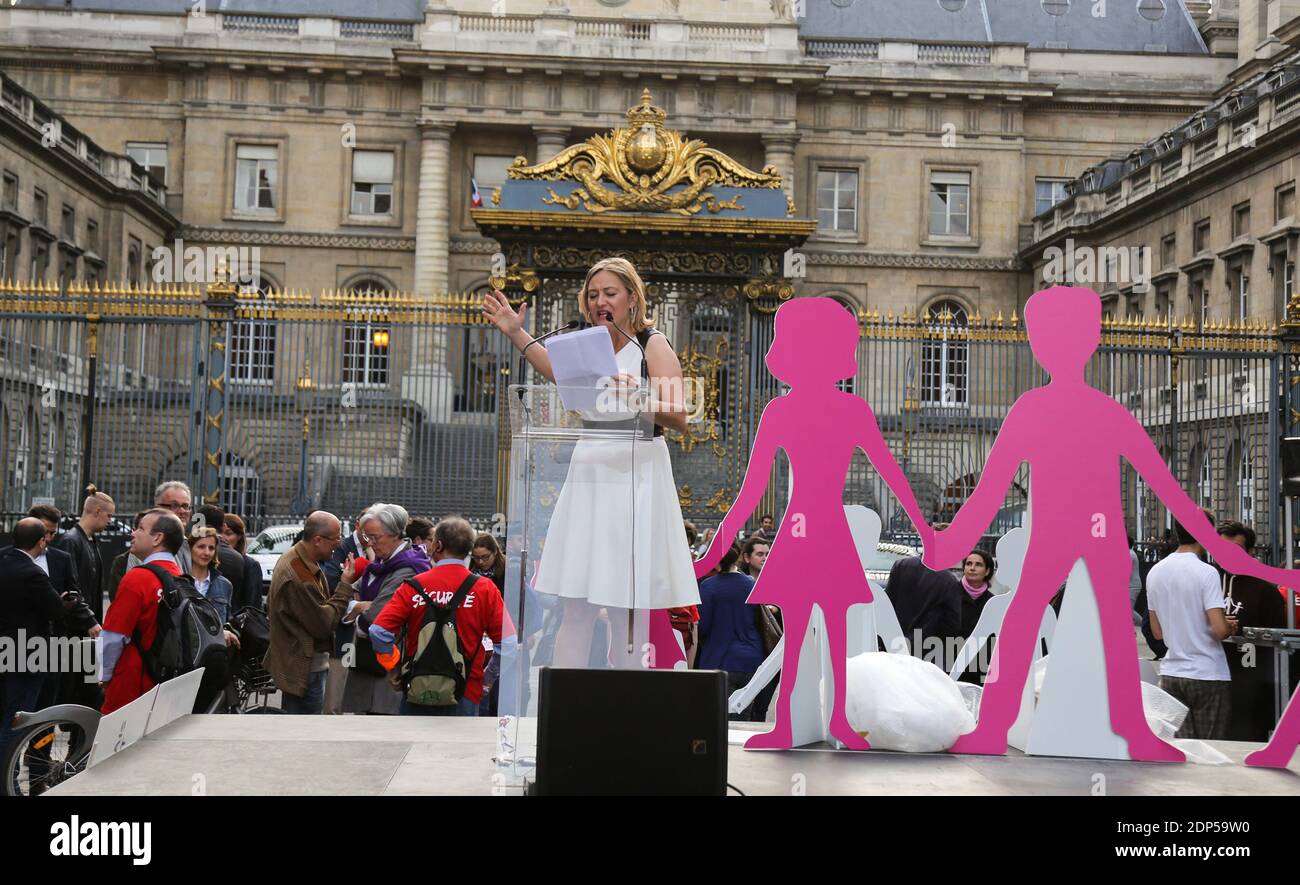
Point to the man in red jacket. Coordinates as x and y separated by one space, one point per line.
483 613
155 540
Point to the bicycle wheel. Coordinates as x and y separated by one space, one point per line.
43 756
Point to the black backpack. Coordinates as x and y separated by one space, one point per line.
189 631
439 672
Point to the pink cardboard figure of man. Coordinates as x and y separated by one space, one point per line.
819 427
1073 437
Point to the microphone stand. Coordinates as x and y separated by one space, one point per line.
645 371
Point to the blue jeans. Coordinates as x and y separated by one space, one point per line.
466 707
311 702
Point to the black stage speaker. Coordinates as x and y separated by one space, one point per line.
1291 466
631 733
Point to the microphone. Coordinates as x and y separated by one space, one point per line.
645 369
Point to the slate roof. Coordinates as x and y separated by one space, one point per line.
1123 29
369 10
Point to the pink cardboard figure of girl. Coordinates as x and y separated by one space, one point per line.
819 427
1073 437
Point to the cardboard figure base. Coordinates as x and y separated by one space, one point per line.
1073 713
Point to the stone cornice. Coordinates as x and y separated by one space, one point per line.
912 260
464 246
235 236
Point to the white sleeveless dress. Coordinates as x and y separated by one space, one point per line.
599 545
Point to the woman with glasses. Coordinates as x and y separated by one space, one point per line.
486 559
383 530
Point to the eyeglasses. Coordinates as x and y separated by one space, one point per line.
370 539
176 507
484 558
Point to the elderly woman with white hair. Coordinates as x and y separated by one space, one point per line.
383 530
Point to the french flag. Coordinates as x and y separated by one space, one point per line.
475 198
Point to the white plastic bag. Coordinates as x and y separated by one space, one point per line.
904 703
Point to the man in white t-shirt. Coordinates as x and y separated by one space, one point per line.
1185 599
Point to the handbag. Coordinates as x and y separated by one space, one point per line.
768 627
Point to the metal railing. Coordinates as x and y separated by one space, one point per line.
281 402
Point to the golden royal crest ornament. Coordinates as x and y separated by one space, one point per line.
645 167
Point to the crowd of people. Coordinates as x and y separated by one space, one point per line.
346 611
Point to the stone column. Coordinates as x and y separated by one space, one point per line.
779 149
433 209
550 141
429 382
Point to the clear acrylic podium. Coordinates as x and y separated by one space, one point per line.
573 569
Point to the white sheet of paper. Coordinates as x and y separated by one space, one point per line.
579 361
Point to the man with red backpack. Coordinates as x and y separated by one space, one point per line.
475 605
133 659
155 541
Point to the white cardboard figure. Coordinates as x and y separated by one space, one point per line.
1011 551
1073 713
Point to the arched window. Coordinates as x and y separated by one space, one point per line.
1200 475
365 341
252 341
1246 485
241 488
945 359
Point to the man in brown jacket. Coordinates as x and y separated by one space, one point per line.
304 615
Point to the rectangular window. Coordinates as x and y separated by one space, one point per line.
1133 305
11 192
1243 296
1200 299
39 202
92 236
134 261
69 230
372 182
1288 281
256 174
1240 220
365 353
837 200
1169 251
153 157
1284 202
1164 300
1048 192
1201 236
950 204
490 174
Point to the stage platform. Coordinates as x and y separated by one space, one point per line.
420 756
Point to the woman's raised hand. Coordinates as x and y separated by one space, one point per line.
496 307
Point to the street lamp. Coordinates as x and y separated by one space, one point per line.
304 394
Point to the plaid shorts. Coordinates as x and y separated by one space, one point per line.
1209 706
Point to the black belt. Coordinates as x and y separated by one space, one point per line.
627 424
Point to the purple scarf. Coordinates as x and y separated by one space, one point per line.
411 557
975 592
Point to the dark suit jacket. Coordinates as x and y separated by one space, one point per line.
925 601
333 567
27 599
63 578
